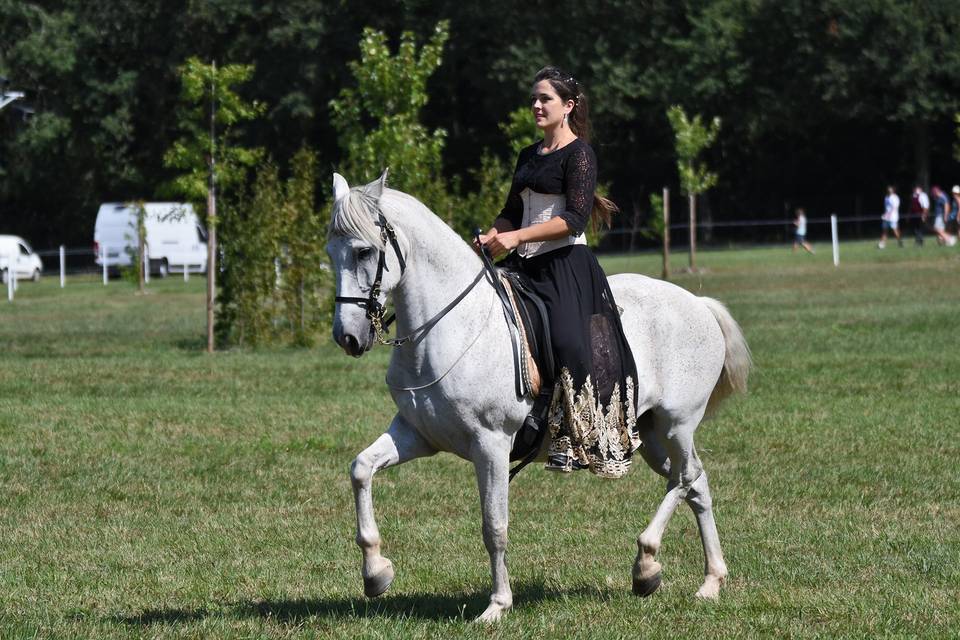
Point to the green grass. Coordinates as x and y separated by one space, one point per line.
149 490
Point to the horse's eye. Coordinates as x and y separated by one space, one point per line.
363 253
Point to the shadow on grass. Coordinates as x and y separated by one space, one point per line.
404 606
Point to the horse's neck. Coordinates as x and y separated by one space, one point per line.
441 267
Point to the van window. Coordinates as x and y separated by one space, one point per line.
201 233
24 251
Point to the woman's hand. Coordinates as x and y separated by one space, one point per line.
484 239
502 243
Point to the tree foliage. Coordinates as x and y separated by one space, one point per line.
390 92
206 88
275 284
692 137
822 101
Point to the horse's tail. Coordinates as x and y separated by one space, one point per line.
736 359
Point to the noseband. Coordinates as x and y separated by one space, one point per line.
376 312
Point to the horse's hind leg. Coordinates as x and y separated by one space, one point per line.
399 444
715 569
651 448
685 483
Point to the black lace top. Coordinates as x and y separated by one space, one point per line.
570 170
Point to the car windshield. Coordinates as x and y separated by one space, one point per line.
24 249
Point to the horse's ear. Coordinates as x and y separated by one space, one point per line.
340 187
375 189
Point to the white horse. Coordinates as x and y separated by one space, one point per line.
453 380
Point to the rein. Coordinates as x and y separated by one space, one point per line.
376 312
380 324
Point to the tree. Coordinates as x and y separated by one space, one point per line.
207 154
692 137
390 93
306 287
276 284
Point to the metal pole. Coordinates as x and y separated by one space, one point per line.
63 266
186 272
836 240
146 265
666 234
10 276
103 261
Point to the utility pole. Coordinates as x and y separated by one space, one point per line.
212 216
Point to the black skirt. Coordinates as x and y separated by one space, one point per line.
592 416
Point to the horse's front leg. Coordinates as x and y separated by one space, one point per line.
491 460
399 444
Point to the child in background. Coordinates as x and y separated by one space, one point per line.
800 234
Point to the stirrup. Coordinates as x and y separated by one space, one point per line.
562 463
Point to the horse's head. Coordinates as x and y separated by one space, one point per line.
366 259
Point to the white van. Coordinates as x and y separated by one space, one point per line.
16 253
174 240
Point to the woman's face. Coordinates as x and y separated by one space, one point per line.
548 109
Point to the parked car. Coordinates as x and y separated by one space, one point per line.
174 238
15 253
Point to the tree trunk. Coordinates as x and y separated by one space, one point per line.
693 232
211 265
666 234
141 250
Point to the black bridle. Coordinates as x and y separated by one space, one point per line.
376 312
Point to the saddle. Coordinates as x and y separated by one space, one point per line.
533 326
534 368
535 356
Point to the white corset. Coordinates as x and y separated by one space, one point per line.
541 207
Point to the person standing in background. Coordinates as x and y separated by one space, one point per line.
953 211
919 210
941 205
800 232
891 217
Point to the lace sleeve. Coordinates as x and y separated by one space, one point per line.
512 210
579 183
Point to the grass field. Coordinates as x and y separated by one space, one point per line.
149 490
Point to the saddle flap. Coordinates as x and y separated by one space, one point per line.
534 329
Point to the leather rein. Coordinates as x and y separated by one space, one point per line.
380 324
376 312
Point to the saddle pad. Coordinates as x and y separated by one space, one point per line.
530 370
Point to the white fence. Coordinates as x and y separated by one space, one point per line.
77 262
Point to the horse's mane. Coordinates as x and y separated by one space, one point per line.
353 216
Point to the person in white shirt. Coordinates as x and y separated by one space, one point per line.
800 237
919 212
890 217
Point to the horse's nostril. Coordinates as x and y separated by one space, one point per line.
350 344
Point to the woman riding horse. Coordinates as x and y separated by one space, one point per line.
591 406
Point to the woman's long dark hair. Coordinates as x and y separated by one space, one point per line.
567 88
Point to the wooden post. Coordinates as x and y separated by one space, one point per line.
666 234
212 218
141 246
693 232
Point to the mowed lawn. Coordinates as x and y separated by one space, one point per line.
150 490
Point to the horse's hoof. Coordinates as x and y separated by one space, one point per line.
644 587
376 585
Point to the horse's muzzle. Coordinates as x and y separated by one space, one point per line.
351 345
